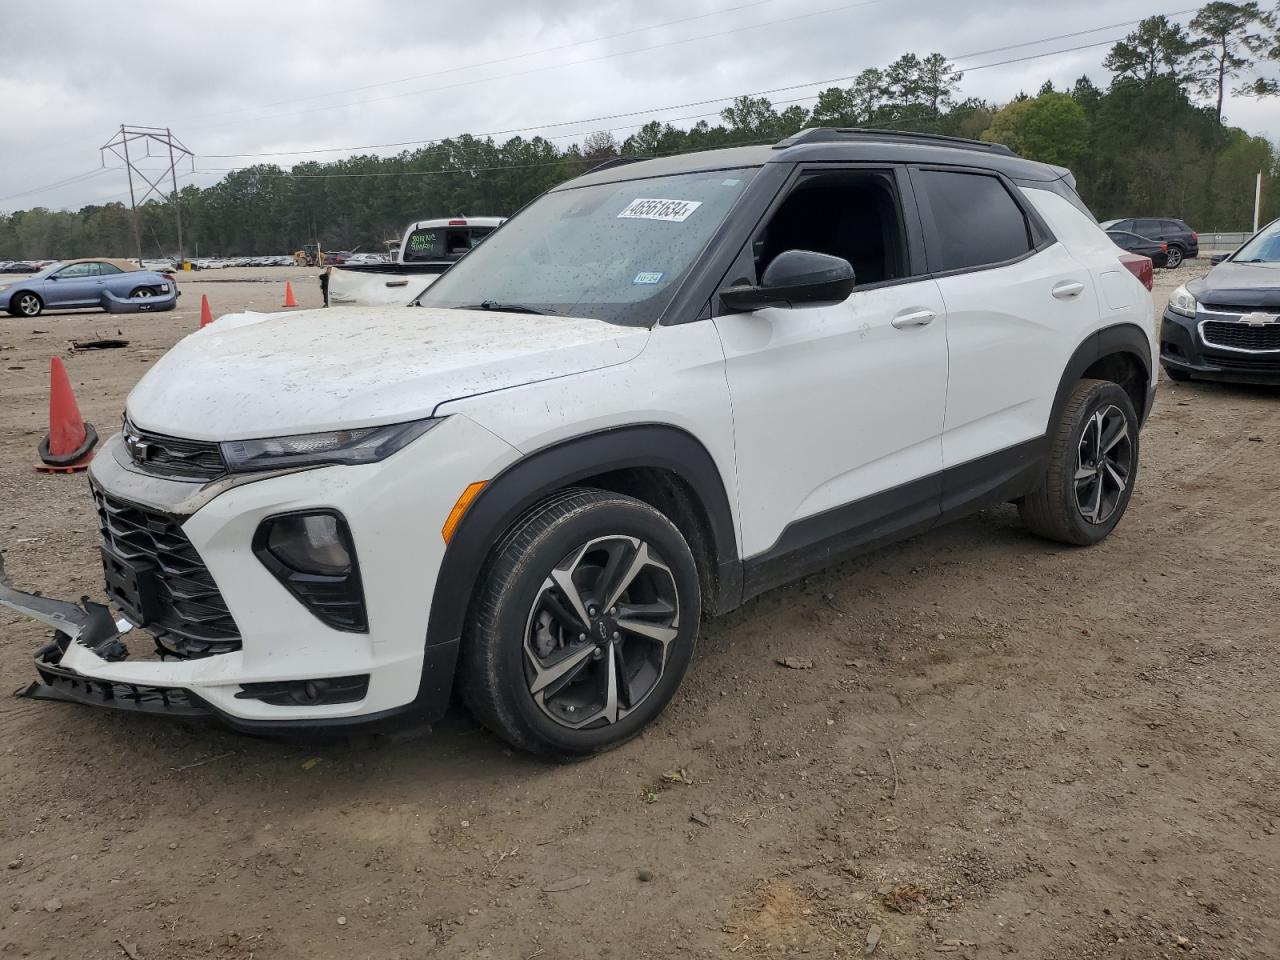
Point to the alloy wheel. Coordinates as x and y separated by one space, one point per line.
29 305
1104 464
1175 258
597 638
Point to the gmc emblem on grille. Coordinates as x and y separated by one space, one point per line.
1258 319
138 449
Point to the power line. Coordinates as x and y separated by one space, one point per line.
493 62
67 181
680 106
555 66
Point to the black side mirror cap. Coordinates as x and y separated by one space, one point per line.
794 278
1217 258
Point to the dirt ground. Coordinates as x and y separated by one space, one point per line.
1004 748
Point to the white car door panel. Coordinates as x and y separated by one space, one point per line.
1010 330
832 404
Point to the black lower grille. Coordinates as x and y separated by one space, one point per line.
182 608
1245 361
1242 336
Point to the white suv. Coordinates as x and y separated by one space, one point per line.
658 391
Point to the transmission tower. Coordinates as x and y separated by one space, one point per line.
166 145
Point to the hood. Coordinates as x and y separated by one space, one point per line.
1239 285
260 375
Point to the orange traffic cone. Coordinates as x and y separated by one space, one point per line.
289 299
70 442
206 315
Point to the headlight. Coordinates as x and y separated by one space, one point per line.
1183 303
364 445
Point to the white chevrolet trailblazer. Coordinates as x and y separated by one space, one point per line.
659 390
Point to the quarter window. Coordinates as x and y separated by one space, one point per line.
978 223
107 269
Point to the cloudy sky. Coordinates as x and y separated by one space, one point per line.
236 79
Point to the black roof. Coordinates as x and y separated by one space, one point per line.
836 144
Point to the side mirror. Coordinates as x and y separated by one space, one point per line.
794 278
52 276
1217 258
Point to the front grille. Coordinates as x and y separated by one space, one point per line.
173 457
1266 363
188 616
1241 336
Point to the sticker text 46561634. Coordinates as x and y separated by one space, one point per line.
673 211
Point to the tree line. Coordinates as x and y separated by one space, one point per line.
1153 142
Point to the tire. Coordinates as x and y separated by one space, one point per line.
26 304
537 661
137 292
1173 373
1175 257
1087 484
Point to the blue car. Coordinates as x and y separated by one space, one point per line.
103 284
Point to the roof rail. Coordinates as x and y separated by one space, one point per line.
615 162
870 134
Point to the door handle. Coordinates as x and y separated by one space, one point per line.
1068 289
914 318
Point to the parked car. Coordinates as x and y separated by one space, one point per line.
427 249
1183 242
1155 250
84 283
659 390
1226 325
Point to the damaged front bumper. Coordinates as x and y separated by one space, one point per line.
86 635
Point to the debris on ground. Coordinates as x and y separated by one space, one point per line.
902 897
52 905
78 345
130 949
795 663
700 818
677 776
873 940
561 886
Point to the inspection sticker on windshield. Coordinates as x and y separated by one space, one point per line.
672 211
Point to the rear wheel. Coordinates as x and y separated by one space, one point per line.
1092 465
26 304
584 625
141 292
1175 256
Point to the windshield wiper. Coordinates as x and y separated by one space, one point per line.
508 308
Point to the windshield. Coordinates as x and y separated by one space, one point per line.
612 251
1263 248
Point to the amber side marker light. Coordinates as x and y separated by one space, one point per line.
460 508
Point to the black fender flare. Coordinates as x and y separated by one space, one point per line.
531 479
1123 338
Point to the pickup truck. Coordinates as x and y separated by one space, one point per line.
427 249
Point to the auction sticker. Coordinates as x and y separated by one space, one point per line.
672 211
649 276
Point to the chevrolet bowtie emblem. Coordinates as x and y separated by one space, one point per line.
1258 319
138 449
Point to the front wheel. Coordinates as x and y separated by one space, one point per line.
584 625
1174 257
1092 465
26 305
1173 373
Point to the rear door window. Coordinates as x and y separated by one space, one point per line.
426 243
976 221
1148 228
